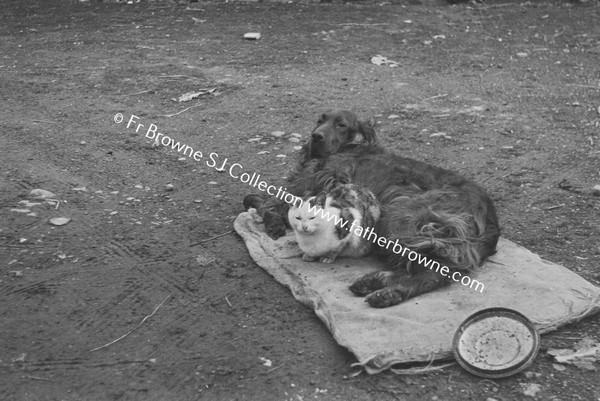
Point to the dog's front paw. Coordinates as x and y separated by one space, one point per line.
369 283
274 225
387 297
253 201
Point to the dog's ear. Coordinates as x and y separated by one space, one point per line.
304 157
367 130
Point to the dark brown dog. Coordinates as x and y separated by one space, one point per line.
433 212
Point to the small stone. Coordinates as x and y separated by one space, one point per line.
277 134
531 389
442 134
297 147
596 190
212 183
281 156
263 152
139 186
558 367
522 54
254 139
294 140
20 358
21 210
300 136
59 221
252 36
169 187
393 116
41 194
83 143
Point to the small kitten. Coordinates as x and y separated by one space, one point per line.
325 225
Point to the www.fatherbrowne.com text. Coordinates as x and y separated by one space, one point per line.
236 171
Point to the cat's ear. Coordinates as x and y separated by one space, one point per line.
320 199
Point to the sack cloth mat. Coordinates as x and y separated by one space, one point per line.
420 329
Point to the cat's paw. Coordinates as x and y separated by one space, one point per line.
308 258
369 283
326 259
387 296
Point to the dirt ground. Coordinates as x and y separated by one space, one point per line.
136 298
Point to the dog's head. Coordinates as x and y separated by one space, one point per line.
336 129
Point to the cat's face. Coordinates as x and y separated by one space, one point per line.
304 220
308 218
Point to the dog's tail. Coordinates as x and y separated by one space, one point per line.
460 239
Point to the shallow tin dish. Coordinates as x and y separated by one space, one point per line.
496 342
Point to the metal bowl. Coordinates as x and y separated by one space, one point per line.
495 343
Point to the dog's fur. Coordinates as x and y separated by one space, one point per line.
432 211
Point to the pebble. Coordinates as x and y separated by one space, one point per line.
263 152
169 187
443 134
277 134
41 194
26 203
21 210
281 156
596 190
59 221
297 147
522 54
300 136
531 389
294 140
393 116
252 35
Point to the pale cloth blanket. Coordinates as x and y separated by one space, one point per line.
420 329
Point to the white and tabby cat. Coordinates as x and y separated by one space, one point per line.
325 225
